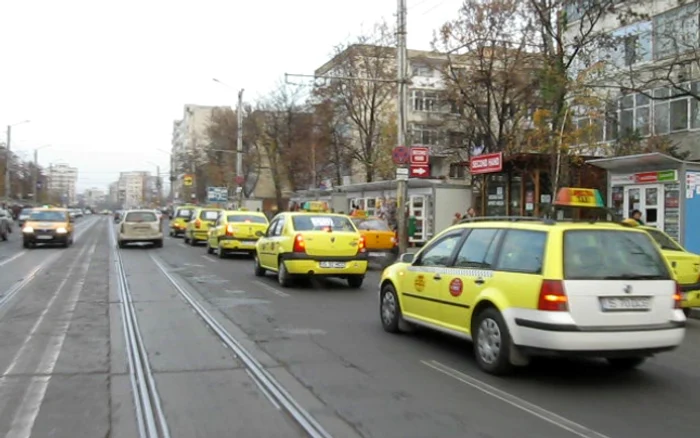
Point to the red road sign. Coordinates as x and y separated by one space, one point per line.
239 180
420 155
486 163
419 171
400 155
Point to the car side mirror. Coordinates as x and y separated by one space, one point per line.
407 257
259 233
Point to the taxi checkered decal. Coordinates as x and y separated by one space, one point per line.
463 272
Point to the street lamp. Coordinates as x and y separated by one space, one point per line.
8 157
239 146
172 173
158 185
35 179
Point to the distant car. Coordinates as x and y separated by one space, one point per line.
140 226
117 216
5 224
23 216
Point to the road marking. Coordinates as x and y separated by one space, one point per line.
208 258
14 257
26 413
517 402
274 290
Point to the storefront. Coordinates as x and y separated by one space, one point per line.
664 189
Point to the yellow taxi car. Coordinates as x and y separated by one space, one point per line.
380 239
180 218
312 244
529 287
197 229
48 226
685 264
236 231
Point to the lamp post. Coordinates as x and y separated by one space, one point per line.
240 179
35 179
172 173
8 157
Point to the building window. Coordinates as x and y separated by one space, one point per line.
676 31
675 114
425 101
576 8
422 71
634 114
425 135
632 45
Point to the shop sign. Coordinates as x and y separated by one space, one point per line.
487 163
644 177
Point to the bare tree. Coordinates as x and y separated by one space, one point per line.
333 140
364 92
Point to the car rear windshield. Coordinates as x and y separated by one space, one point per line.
209 215
611 254
250 218
322 222
664 241
371 224
141 216
47 216
184 212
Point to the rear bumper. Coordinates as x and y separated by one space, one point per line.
144 238
200 235
304 264
537 336
232 244
690 299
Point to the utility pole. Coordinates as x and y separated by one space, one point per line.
35 180
159 185
240 179
401 185
8 157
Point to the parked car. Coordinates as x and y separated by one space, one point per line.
5 224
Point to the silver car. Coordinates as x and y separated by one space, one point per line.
140 226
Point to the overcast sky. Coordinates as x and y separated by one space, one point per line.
103 81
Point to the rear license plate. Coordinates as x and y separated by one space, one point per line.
44 237
336 265
622 304
376 254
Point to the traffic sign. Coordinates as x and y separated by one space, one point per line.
419 171
402 173
420 155
217 194
240 180
187 180
400 155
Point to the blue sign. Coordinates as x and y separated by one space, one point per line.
217 194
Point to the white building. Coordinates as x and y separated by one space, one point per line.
62 180
132 188
94 196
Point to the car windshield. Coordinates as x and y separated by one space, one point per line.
246 218
371 224
321 223
141 216
184 212
209 215
664 241
608 254
48 216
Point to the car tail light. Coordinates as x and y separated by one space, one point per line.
677 297
230 230
362 245
197 223
299 244
552 296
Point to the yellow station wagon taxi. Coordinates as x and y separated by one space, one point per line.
179 219
685 264
532 286
48 226
312 244
236 231
197 229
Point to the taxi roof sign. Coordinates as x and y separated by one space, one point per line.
579 197
315 206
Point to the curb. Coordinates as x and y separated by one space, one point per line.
695 313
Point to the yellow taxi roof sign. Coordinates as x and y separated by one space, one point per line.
359 213
579 197
315 206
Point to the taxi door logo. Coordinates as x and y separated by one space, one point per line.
419 284
456 287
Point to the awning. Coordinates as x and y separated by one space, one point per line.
637 163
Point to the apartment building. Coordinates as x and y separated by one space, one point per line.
132 188
61 181
113 193
654 56
95 196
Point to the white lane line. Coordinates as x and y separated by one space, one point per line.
14 257
28 410
531 408
274 290
208 258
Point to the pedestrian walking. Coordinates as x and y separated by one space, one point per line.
458 217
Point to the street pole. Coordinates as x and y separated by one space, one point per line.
8 156
35 180
240 181
401 185
159 185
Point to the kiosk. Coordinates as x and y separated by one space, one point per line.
665 189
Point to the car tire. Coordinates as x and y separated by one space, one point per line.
158 243
258 269
192 242
3 236
26 245
492 342
625 363
121 244
390 309
355 281
686 312
221 252
283 277
184 236
210 250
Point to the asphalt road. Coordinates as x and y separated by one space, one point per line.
65 373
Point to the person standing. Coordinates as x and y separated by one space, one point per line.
637 216
471 213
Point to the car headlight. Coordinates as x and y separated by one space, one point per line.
61 230
27 230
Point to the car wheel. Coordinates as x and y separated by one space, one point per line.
686 312
158 243
259 270
184 236
625 363
210 250
283 277
3 236
492 342
355 281
192 241
221 252
390 309
26 245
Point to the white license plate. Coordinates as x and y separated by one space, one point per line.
44 237
621 304
337 265
376 254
